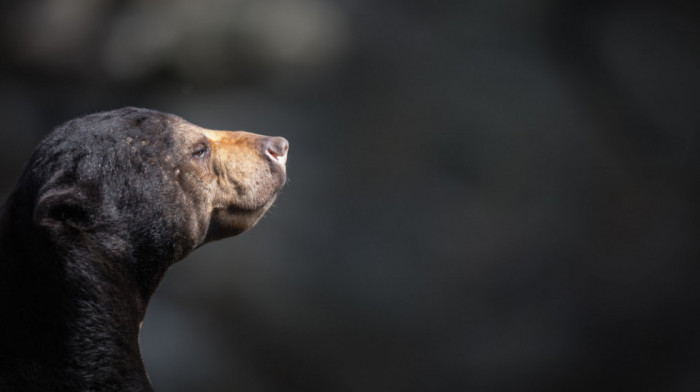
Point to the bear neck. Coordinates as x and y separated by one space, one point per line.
69 321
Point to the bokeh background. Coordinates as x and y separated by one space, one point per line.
484 195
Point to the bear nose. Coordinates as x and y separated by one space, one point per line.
276 148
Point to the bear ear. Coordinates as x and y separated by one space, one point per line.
63 210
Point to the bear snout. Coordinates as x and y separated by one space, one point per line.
276 149
249 171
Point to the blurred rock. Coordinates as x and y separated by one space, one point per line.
209 40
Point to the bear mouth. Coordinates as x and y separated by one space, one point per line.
276 158
276 149
242 205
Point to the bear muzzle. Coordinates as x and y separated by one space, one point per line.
250 170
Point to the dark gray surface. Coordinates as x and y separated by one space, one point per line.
484 196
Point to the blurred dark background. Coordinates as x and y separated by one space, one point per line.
484 196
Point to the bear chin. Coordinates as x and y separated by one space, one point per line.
233 220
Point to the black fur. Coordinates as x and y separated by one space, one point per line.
95 221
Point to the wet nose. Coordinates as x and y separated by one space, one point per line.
277 148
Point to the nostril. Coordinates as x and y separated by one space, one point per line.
277 146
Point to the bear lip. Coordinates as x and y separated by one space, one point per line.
278 158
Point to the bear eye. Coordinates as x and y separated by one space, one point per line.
201 150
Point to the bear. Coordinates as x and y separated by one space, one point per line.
106 204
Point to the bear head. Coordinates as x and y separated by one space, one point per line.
145 187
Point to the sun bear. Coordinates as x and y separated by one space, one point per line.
105 205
